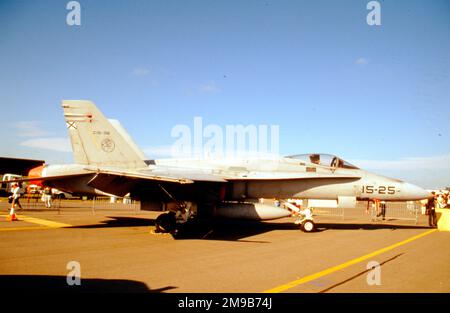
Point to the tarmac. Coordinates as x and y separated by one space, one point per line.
117 252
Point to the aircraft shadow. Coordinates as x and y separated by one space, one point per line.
58 284
231 230
120 221
228 230
236 230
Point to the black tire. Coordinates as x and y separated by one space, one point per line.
308 226
165 223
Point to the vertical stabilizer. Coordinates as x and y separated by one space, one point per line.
98 141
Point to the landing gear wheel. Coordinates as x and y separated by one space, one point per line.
308 226
165 223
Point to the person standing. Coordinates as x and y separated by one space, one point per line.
16 195
15 200
47 197
431 211
376 207
382 210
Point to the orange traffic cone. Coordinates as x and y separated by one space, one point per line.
12 216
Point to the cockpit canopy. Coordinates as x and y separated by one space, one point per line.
322 159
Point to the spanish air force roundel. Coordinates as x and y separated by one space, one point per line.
108 145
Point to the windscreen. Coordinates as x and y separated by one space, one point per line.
323 160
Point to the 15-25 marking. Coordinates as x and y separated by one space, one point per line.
382 190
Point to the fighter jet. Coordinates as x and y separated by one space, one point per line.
107 161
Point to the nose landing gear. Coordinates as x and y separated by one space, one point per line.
308 226
305 220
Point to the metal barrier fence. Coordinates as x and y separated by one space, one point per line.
115 203
35 202
408 211
331 211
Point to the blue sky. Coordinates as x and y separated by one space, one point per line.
376 95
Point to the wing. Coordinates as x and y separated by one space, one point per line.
119 182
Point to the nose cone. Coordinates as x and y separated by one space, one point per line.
413 192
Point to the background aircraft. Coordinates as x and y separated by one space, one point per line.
107 161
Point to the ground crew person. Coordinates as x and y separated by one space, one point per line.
431 211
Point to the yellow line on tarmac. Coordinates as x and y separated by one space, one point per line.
40 221
23 228
43 222
344 265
